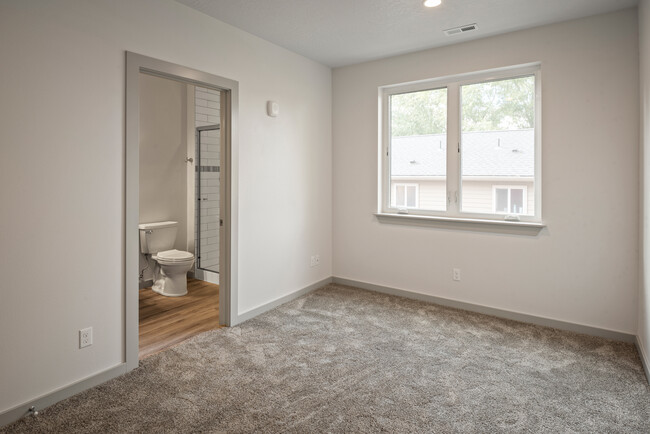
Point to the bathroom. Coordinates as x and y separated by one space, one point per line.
180 203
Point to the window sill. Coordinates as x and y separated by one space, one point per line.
459 223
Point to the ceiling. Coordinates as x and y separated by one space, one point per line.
344 32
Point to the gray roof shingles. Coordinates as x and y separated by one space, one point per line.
490 153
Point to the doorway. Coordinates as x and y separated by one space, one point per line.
207 229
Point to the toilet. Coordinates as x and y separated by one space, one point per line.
170 272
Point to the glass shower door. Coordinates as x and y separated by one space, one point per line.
208 183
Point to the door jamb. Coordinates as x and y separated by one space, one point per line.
136 64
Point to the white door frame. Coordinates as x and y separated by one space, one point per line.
135 65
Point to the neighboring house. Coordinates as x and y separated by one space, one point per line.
497 172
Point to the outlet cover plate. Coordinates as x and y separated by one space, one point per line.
85 337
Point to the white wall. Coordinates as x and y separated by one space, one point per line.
62 117
584 267
163 149
643 332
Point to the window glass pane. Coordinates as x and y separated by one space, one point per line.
501 200
516 201
410 196
418 147
497 143
400 201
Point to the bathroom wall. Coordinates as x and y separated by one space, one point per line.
208 112
163 149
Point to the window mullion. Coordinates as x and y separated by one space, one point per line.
384 154
453 155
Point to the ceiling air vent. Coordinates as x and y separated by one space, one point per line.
462 29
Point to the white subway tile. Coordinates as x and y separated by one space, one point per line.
207 111
211 234
203 95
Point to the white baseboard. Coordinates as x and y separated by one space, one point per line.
516 316
277 302
207 276
57 395
644 358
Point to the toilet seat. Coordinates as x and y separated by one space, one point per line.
173 257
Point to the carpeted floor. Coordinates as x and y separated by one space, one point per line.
346 360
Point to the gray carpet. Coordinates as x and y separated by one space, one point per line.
346 360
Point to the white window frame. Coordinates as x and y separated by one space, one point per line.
454 146
509 188
406 185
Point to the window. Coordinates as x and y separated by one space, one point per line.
509 200
466 146
418 126
405 196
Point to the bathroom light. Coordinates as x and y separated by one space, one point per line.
432 3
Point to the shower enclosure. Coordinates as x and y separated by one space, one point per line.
207 210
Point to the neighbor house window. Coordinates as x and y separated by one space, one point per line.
509 200
405 196
470 143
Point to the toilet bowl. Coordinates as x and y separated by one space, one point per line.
171 265
170 272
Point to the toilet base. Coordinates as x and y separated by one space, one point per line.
174 285
164 290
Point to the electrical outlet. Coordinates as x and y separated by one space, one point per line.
315 260
456 274
85 337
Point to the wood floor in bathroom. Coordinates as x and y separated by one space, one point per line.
167 321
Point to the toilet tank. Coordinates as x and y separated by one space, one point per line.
158 236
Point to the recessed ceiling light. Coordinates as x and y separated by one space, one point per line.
432 3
